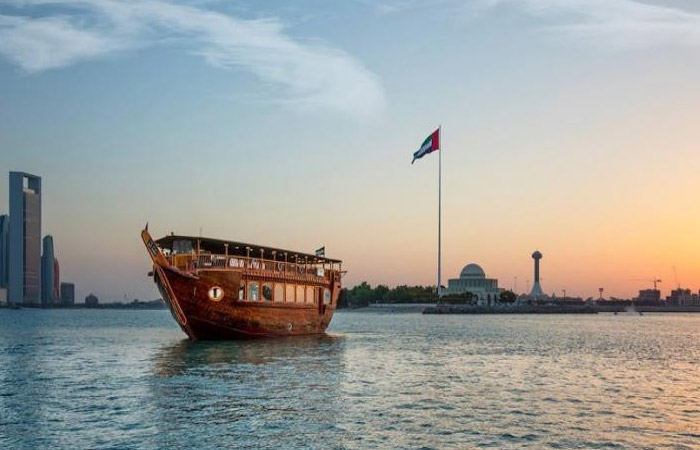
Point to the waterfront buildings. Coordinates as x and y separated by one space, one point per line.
49 274
4 260
683 297
24 274
473 279
56 282
67 294
649 296
28 276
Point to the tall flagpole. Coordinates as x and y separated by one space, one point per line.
439 274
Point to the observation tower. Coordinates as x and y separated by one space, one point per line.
536 288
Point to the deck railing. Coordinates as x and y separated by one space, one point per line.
249 265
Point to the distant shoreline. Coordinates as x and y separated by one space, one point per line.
432 308
567 309
130 306
424 308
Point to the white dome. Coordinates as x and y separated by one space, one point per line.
472 271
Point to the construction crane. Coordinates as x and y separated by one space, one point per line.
675 275
653 280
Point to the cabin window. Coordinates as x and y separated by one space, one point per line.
253 292
309 294
300 294
279 292
326 296
241 291
267 292
290 293
182 246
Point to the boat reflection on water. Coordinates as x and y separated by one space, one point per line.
315 352
234 394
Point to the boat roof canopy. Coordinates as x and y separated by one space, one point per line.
218 246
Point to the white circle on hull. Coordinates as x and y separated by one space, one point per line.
215 294
289 327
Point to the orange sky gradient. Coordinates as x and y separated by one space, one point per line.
560 132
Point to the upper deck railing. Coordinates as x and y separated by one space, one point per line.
193 263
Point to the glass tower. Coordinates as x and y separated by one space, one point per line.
4 258
24 285
48 272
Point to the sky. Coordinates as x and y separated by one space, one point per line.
568 126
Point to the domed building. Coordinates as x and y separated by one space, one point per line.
91 300
473 279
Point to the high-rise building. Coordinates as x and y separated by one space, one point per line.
650 296
56 282
4 255
25 239
48 272
67 294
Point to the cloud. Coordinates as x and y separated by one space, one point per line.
313 75
614 23
40 44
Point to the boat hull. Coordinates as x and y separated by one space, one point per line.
208 303
229 318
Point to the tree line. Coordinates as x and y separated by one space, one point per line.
364 294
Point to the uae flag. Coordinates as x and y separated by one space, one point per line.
429 145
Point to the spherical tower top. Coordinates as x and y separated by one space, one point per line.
537 255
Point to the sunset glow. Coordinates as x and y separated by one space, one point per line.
562 131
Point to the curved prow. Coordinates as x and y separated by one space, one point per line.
153 250
161 279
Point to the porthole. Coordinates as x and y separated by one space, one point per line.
215 294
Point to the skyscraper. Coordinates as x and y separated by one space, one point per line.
4 259
56 282
48 273
4 262
25 239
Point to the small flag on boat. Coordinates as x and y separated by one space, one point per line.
429 145
321 251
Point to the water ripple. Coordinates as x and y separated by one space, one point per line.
125 379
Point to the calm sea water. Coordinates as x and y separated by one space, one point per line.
129 379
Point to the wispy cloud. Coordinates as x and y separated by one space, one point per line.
388 7
313 75
613 23
619 24
45 43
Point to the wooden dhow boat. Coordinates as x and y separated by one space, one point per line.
218 289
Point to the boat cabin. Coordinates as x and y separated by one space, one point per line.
268 274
